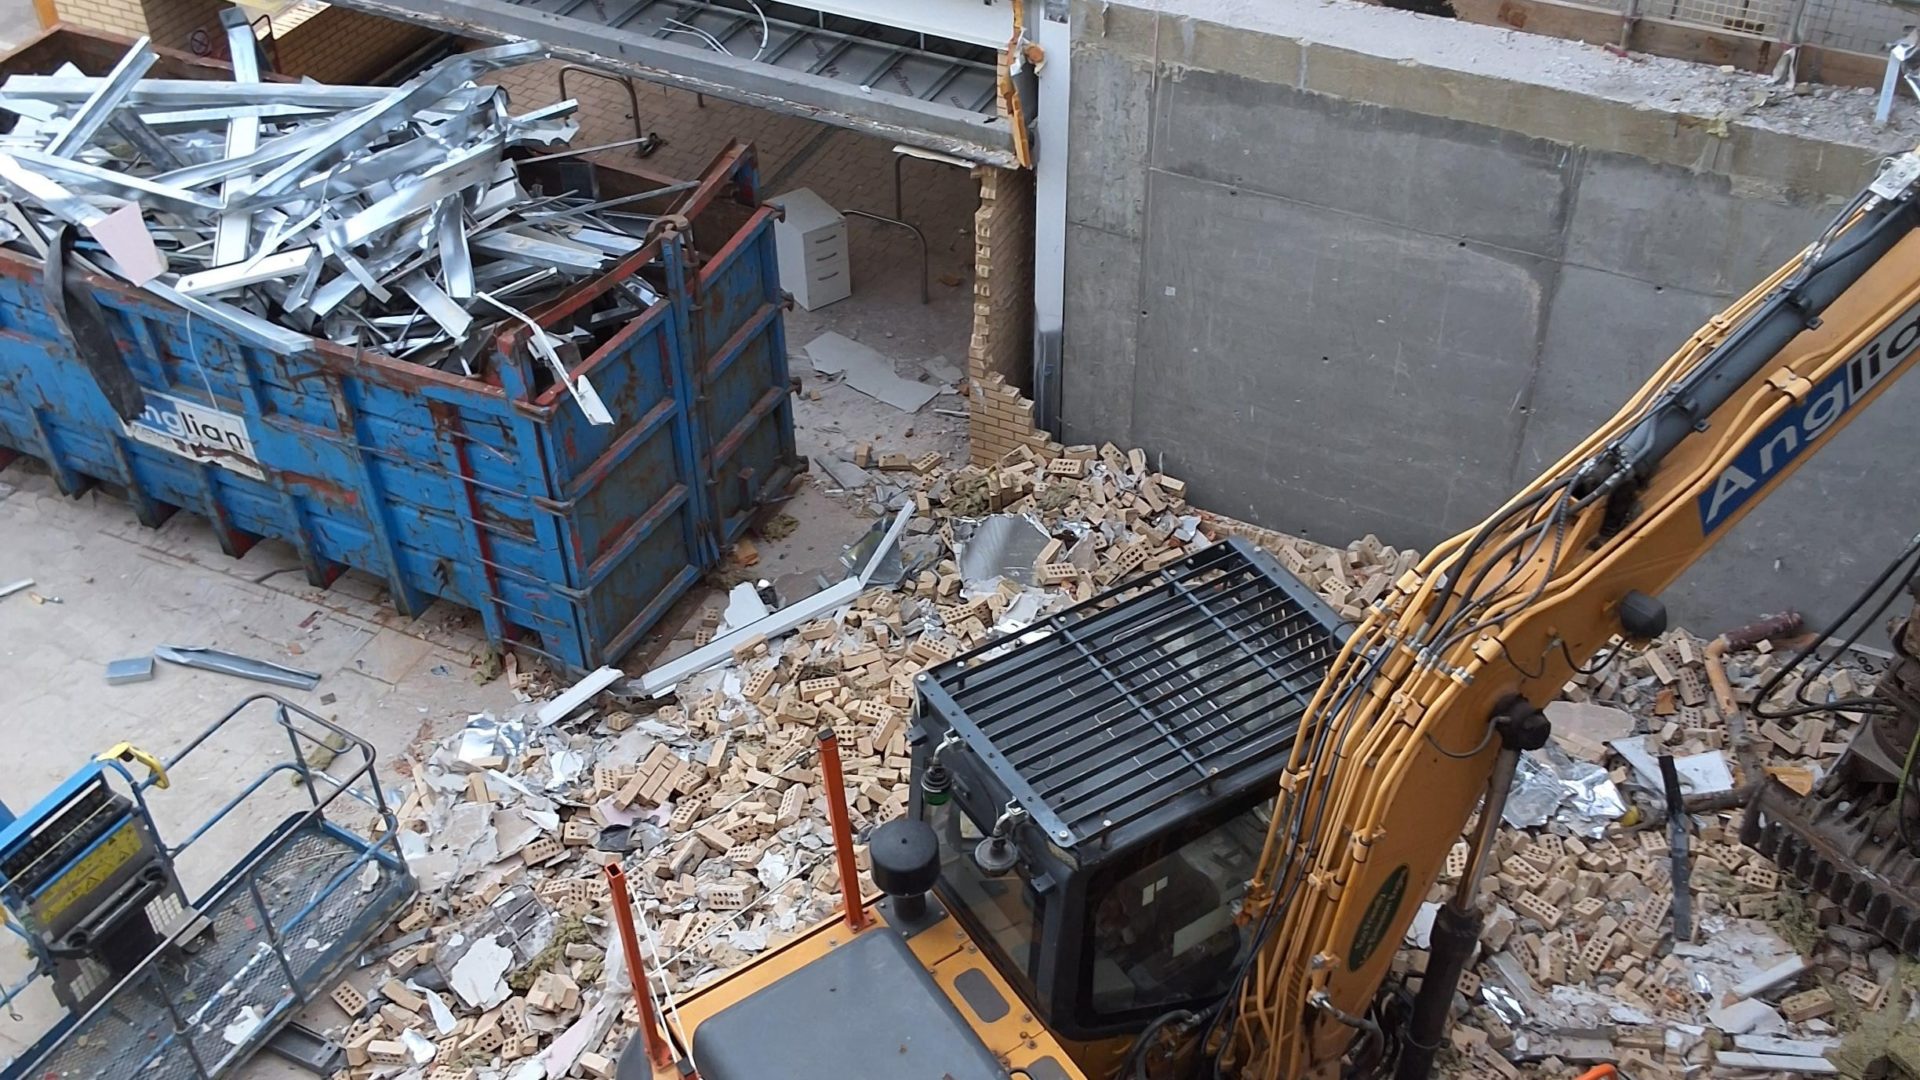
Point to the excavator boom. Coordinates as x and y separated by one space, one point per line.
1432 698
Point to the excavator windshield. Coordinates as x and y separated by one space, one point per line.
1151 930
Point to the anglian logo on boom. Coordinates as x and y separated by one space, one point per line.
1771 451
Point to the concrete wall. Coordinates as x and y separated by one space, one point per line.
1351 270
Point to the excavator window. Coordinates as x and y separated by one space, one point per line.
1165 933
1002 905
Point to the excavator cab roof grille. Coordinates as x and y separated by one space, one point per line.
1185 683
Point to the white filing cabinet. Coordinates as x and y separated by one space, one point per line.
812 243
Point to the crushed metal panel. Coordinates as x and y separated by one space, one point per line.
878 79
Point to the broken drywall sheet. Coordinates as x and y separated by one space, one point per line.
868 371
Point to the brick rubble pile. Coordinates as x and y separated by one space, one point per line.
711 803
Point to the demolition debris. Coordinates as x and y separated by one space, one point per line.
1587 958
712 803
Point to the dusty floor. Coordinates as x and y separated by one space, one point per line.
122 589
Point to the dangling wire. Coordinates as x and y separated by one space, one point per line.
1902 569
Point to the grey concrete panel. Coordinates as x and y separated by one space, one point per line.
1098 347
1676 227
1813 543
1343 317
1308 369
1107 153
1433 175
1606 334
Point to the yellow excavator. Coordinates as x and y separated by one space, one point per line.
1180 830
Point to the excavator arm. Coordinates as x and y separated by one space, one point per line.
1437 692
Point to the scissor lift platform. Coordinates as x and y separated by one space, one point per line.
274 932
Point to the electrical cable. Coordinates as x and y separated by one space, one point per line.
1485 740
1515 664
1827 258
1468 553
1554 522
1607 656
678 27
1849 704
661 979
1474 598
1817 259
1229 1001
1317 757
1557 521
765 32
1269 920
1134 1065
1477 598
1444 594
1906 788
1909 554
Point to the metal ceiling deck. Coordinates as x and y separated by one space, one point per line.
894 83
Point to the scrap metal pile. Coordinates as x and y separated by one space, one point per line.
384 218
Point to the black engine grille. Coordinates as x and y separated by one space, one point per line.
1170 683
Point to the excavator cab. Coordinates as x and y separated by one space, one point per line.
1090 801
1100 785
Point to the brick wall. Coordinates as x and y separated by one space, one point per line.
336 44
341 45
1000 416
128 17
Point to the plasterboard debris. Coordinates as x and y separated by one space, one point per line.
869 371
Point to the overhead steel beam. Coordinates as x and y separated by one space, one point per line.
935 125
195 93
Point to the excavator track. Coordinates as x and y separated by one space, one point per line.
1840 842
1846 840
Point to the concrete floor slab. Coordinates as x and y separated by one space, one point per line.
123 589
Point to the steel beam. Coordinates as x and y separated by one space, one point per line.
972 135
220 279
540 251
121 185
450 238
362 127
437 305
235 227
195 93
100 105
